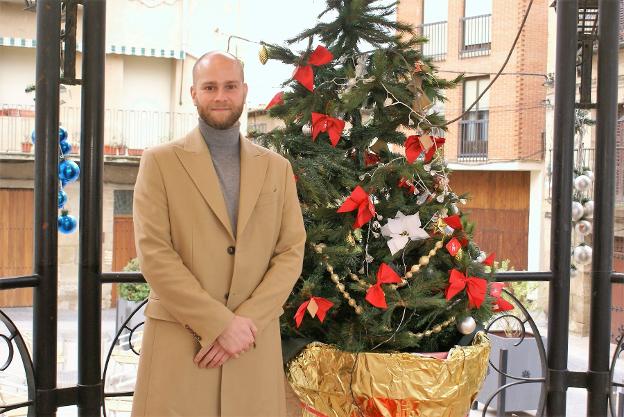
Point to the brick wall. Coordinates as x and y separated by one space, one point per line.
517 115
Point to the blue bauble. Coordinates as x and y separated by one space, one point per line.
66 147
66 223
62 199
69 171
62 134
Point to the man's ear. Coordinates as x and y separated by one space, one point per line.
194 95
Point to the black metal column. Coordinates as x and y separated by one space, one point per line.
561 225
604 189
90 268
45 312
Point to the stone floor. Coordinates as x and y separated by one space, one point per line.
122 366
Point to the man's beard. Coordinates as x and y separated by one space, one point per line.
221 124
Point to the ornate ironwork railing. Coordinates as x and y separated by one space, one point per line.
14 341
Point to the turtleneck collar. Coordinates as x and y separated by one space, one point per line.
221 139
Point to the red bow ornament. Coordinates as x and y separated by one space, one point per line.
417 144
490 259
360 200
277 99
375 294
453 221
305 74
331 125
405 183
316 306
476 288
499 304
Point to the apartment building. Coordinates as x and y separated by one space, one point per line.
149 62
496 148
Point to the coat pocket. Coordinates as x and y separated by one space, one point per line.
156 310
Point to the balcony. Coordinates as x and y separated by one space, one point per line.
585 159
475 37
126 132
436 33
473 140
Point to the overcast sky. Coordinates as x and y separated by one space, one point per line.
272 21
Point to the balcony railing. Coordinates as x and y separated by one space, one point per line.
586 159
476 36
473 140
126 132
436 46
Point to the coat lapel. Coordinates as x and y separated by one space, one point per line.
254 163
197 161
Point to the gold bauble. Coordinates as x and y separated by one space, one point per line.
263 54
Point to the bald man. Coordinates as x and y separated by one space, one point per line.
220 240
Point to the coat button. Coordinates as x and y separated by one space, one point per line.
231 250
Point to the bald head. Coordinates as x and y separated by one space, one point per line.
219 90
217 58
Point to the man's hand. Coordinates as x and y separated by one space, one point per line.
211 356
239 336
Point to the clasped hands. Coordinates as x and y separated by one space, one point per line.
236 339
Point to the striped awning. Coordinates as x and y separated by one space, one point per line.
110 49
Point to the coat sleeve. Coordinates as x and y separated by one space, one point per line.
176 287
265 303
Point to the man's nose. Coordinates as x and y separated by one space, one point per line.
220 94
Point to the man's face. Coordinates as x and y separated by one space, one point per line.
219 92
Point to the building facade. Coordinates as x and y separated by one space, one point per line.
496 148
147 102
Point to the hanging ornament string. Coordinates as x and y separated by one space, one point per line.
68 172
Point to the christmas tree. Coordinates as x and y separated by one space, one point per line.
390 264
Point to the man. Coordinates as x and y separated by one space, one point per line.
220 240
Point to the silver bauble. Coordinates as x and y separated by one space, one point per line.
583 227
306 130
589 208
467 325
481 257
577 211
582 183
590 175
582 255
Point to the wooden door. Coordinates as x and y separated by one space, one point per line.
499 207
16 242
123 247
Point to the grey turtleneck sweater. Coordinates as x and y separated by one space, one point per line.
224 146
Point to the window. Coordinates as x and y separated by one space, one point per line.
435 11
477 7
473 87
473 130
434 28
476 25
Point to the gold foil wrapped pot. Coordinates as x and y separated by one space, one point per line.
333 383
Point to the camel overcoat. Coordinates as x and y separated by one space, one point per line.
201 276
